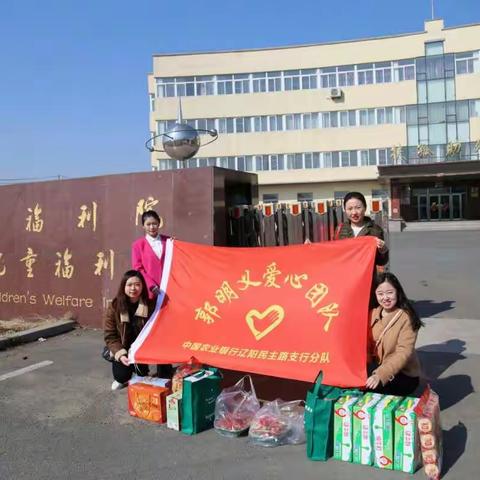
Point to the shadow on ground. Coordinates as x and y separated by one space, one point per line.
436 359
454 442
430 308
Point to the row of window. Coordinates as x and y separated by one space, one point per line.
412 114
344 158
326 77
294 121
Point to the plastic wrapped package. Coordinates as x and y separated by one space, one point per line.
278 423
430 432
182 371
235 408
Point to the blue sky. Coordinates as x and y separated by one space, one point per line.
73 74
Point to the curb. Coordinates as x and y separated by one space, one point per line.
34 334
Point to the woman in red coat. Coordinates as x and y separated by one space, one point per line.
148 256
148 252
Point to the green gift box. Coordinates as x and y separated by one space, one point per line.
200 391
319 416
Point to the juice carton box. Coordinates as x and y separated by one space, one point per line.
148 402
383 431
362 428
173 410
343 428
406 438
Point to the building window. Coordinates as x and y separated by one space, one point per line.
241 83
365 73
328 77
305 197
270 198
224 84
274 80
379 194
433 48
259 82
346 76
468 62
339 196
291 79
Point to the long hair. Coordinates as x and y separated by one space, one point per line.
402 301
121 300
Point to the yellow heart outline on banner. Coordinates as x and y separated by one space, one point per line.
275 312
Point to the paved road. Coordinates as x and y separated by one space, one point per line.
440 270
62 421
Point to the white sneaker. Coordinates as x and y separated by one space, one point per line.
117 385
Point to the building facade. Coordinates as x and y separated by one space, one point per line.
395 117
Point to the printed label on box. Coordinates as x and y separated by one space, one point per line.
362 428
406 439
383 422
173 411
343 428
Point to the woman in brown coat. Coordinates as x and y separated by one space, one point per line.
123 321
395 369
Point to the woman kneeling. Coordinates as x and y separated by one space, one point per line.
394 324
124 320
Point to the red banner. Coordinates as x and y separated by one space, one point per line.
283 311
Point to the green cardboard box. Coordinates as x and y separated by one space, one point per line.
407 456
343 428
362 428
383 431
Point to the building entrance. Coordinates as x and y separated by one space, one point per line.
439 206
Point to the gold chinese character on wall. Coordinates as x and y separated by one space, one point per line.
105 262
34 222
63 267
88 216
143 205
3 267
29 259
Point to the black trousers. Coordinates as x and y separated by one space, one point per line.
123 374
401 385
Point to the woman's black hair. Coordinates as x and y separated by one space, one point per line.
150 213
402 301
356 195
121 301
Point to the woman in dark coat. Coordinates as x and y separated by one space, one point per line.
123 321
358 225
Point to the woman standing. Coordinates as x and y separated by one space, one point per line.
123 321
358 225
394 324
148 257
148 252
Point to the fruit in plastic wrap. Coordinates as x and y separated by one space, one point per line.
278 423
235 408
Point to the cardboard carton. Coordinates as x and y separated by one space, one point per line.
174 407
343 428
362 428
383 433
406 439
